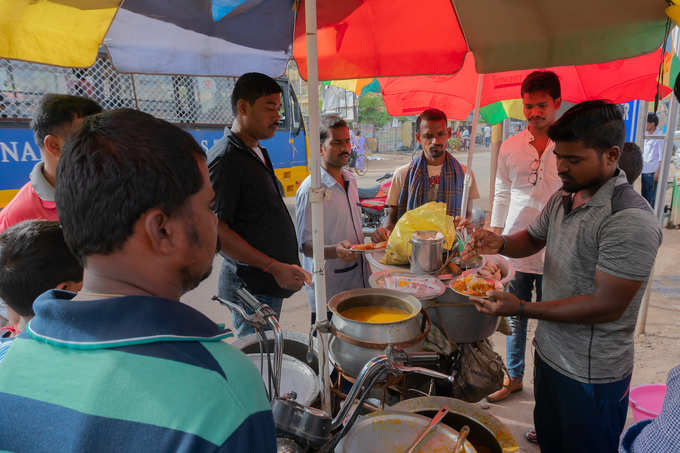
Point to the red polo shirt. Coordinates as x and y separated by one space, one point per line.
27 204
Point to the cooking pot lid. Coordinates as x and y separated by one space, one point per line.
296 376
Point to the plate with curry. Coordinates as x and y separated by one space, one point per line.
470 283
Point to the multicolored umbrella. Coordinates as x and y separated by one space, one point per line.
356 38
618 81
357 86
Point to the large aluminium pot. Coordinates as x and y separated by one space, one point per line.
354 342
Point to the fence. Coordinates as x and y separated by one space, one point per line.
178 99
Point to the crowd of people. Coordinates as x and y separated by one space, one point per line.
126 212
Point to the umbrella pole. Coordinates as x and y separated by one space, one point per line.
473 135
660 201
316 199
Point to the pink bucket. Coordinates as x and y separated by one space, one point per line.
646 401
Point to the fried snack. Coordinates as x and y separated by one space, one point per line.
453 267
472 285
369 246
490 271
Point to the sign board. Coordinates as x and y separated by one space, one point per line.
630 118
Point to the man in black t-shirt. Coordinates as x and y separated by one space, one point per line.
256 232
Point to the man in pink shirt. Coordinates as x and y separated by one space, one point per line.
56 118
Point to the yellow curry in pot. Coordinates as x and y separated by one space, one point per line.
375 314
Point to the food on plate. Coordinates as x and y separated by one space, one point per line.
375 314
454 268
369 246
472 285
470 263
491 271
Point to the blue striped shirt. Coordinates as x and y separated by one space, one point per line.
129 374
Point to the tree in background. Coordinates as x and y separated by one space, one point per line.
372 110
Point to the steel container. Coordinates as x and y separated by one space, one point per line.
427 252
354 342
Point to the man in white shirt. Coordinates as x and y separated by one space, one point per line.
434 175
651 158
344 269
525 180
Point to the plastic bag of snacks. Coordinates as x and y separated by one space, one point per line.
430 216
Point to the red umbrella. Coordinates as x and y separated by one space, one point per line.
618 81
368 38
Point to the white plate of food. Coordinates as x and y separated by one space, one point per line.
369 247
470 283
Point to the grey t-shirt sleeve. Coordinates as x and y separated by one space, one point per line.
628 243
539 227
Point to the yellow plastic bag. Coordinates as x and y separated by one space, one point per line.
430 216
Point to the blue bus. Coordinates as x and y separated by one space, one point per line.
200 105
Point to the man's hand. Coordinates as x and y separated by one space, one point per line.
343 252
380 234
289 276
463 223
656 176
499 303
482 242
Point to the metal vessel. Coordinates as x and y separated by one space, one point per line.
354 343
426 252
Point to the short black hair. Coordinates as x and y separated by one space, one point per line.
542 81
329 122
251 86
653 118
57 110
598 124
430 115
33 259
630 161
120 164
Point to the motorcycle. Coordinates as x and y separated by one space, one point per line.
372 201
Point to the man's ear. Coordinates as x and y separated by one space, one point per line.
613 154
70 285
159 231
242 106
52 144
558 103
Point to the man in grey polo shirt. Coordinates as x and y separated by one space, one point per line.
601 240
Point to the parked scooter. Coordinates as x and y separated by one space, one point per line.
372 201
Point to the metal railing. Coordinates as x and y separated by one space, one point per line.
178 99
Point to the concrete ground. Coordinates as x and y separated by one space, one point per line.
657 351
